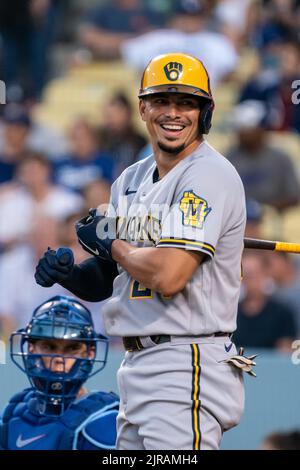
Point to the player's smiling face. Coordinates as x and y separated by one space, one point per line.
172 120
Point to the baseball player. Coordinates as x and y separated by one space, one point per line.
168 253
58 350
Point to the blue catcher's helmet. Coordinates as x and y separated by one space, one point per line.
59 318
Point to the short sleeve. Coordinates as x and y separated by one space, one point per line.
202 205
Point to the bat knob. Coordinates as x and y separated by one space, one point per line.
65 256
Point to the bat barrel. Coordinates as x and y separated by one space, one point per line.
288 247
271 245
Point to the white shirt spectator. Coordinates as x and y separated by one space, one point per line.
18 209
233 13
48 140
43 139
213 49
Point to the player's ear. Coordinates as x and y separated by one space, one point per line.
142 108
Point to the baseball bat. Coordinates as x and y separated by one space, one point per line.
271 245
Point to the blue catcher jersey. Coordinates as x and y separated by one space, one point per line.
88 424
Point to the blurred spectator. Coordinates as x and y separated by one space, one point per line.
31 195
97 194
187 31
19 293
283 270
262 322
273 86
289 72
118 134
86 161
282 441
268 174
233 16
108 26
276 24
254 219
20 131
15 134
297 20
46 139
67 235
27 30
164 8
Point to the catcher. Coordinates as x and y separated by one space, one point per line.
57 350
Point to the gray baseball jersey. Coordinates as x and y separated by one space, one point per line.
199 205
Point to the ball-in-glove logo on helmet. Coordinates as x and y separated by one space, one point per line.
173 70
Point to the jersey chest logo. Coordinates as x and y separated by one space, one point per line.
194 209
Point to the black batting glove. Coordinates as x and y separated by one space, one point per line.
96 234
54 267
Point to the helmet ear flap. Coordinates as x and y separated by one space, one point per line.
206 117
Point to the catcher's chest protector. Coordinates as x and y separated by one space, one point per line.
89 423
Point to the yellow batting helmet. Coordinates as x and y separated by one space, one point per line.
180 73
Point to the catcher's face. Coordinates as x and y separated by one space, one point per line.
172 121
64 349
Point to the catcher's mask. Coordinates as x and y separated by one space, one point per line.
180 73
59 318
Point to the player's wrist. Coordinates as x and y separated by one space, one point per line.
115 249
